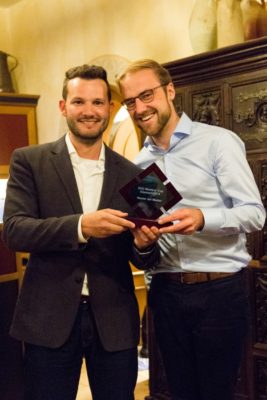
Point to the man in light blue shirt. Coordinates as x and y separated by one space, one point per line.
197 294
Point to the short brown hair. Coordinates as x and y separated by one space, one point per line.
161 72
88 72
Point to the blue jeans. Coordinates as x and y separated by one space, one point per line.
53 374
200 329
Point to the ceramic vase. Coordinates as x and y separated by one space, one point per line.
202 26
229 23
262 20
254 18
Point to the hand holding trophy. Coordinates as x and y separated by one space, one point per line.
150 194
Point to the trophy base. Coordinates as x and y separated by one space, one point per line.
139 222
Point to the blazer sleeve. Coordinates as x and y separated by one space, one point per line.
147 258
27 224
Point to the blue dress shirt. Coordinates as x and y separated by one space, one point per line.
207 165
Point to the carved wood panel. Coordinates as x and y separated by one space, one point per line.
206 107
249 103
260 304
257 241
260 379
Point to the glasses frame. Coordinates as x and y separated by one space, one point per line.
133 99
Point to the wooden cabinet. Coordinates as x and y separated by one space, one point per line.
17 129
228 87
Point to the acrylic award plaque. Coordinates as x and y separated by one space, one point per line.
150 194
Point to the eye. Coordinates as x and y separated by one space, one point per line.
146 96
77 101
98 102
129 103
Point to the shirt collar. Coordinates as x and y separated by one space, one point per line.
74 155
182 129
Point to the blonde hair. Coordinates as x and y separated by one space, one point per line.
139 65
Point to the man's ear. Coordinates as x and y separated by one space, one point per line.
171 91
62 107
111 104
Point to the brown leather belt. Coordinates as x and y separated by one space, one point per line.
193 277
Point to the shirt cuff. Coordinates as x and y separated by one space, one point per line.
146 250
81 238
214 219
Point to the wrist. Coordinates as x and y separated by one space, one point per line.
145 249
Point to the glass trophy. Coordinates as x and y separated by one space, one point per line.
150 194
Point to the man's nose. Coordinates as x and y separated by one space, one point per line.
140 106
88 109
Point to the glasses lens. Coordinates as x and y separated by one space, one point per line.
129 104
146 96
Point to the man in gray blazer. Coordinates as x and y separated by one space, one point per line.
77 300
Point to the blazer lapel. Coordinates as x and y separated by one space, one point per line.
112 171
62 163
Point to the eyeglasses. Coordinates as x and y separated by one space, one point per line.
146 97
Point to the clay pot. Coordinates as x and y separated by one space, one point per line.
254 18
229 23
202 26
5 77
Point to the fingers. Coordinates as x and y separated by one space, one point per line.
186 221
118 218
104 223
145 236
117 213
168 218
107 222
181 227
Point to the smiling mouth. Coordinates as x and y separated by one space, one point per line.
145 118
89 121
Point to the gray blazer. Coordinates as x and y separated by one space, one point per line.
41 217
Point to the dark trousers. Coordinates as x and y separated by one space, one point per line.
53 374
200 329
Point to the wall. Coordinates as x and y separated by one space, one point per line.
5 44
48 37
